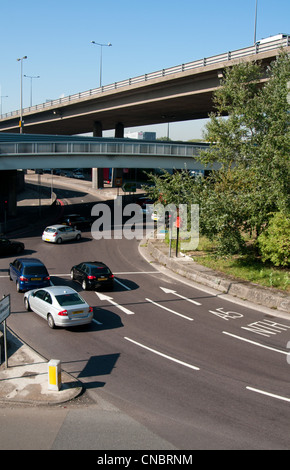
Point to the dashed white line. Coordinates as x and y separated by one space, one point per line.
121 284
169 310
262 392
255 343
162 355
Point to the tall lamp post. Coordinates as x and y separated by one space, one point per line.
21 104
2 96
255 31
101 58
29 76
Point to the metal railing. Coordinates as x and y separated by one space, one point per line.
231 55
101 148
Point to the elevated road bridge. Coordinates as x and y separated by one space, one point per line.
179 93
24 151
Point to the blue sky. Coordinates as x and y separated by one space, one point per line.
146 36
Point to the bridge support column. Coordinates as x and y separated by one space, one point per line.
97 173
8 196
118 172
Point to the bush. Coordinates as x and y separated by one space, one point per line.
274 242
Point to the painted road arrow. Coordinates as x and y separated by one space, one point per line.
110 299
170 291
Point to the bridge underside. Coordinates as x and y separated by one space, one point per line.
143 108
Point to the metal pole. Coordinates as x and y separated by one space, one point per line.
21 130
5 344
101 60
256 10
101 57
21 123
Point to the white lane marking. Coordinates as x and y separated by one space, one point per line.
97 322
121 284
109 299
137 272
170 291
169 310
255 343
262 392
162 355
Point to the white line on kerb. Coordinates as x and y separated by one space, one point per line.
162 355
268 394
255 343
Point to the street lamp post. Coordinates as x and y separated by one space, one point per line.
101 58
21 104
256 12
2 96
29 76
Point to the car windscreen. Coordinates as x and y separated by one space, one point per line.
99 271
69 299
50 229
40 270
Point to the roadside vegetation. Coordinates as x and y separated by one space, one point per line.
244 204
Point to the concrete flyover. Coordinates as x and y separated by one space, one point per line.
25 151
178 93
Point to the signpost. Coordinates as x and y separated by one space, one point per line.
4 313
129 187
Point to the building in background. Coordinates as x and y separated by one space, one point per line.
141 135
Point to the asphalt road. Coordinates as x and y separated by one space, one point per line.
195 369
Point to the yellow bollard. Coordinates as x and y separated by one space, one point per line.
54 375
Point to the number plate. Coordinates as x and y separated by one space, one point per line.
102 278
36 279
77 312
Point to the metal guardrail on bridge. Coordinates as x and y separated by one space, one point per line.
101 146
231 55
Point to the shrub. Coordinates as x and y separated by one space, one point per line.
274 241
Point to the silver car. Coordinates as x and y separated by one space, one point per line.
60 233
59 305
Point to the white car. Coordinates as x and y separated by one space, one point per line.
60 233
59 305
78 175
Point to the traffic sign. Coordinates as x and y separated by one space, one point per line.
4 308
129 187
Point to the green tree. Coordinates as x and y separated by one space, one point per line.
274 242
252 145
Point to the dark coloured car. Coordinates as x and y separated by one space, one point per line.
93 275
28 273
143 201
77 221
10 247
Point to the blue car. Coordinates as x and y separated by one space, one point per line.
28 273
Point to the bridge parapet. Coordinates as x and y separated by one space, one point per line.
259 48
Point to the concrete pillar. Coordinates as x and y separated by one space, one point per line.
97 173
8 193
119 130
118 172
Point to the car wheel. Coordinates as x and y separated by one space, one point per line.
59 240
84 285
18 287
27 305
50 321
78 237
72 274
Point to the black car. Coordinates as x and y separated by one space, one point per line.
10 247
93 275
77 221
